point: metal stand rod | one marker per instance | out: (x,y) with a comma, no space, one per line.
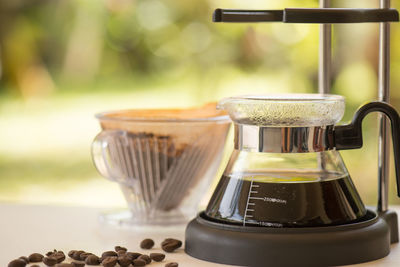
(383,94)
(325,54)
(324,70)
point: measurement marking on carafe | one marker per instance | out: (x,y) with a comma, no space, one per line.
(270,199)
(258,198)
(247,204)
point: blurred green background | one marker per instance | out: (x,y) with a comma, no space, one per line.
(63,61)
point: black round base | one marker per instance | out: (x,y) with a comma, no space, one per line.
(313,246)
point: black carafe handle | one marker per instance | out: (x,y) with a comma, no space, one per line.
(350,136)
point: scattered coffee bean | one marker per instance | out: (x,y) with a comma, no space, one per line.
(109,261)
(83,256)
(171,244)
(71,253)
(171,247)
(157,256)
(139,263)
(146,258)
(59,256)
(133,255)
(109,254)
(108,258)
(147,243)
(119,248)
(77,255)
(124,261)
(92,260)
(35,257)
(121,253)
(34,265)
(17,263)
(50,261)
(167,240)
(24,259)
(171,240)
(51,252)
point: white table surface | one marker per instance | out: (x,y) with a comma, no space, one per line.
(26,229)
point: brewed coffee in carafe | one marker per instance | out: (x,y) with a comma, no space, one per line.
(283,171)
(287,197)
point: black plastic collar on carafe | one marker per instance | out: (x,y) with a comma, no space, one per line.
(350,136)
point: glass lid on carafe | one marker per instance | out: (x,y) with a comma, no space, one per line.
(285,110)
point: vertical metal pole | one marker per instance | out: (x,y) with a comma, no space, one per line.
(324,68)
(383,94)
(325,54)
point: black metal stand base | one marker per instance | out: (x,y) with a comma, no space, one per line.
(314,246)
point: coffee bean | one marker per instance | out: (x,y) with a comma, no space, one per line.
(35,257)
(71,253)
(108,254)
(172,264)
(92,260)
(64,265)
(171,247)
(59,256)
(35,265)
(157,256)
(77,255)
(109,261)
(133,255)
(17,263)
(168,248)
(83,256)
(124,261)
(171,240)
(77,264)
(50,261)
(147,243)
(119,248)
(121,253)
(49,253)
(171,244)
(167,240)
(146,258)
(139,263)
(24,259)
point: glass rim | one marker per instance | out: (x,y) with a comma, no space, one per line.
(107,116)
(288,97)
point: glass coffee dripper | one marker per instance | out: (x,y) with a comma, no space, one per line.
(162,159)
(285,170)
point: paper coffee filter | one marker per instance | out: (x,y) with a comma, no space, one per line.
(182,125)
(204,112)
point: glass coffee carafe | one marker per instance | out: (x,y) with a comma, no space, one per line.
(285,170)
(286,191)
